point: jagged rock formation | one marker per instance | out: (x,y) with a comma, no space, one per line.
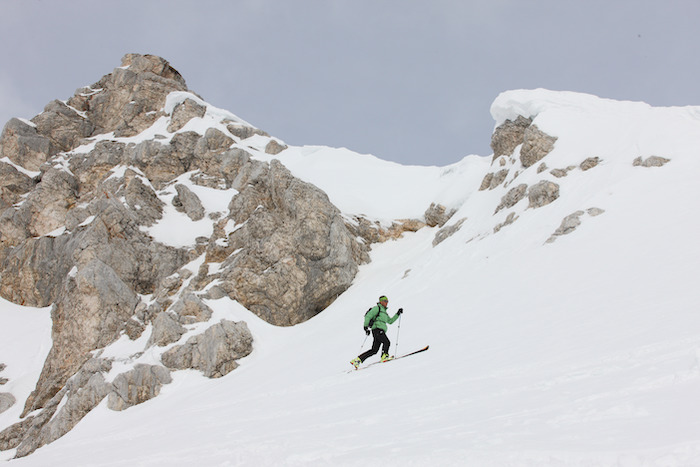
(82,184)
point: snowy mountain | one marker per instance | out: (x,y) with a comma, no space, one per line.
(559,302)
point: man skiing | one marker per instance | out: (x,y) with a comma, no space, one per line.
(377,320)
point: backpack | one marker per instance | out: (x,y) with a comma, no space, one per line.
(371,321)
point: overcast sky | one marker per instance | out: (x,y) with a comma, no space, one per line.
(406,80)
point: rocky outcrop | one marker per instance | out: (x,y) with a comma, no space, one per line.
(77,208)
(446,232)
(7,400)
(438,215)
(651,161)
(137,386)
(542,193)
(512,198)
(214,352)
(536,145)
(22,144)
(571,222)
(508,136)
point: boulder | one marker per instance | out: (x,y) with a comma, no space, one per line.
(188,202)
(191,309)
(184,112)
(542,194)
(213,352)
(166,330)
(274,147)
(438,215)
(295,254)
(589,163)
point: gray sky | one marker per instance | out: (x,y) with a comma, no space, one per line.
(409,81)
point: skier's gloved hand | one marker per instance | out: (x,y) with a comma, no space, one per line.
(400,311)
(367,331)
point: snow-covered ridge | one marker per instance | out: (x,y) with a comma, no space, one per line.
(579,352)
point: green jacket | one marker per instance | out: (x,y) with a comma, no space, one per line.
(381,318)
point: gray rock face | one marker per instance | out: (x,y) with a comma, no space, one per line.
(13,184)
(446,232)
(184,112)
(63,125)
(62,412)
(508,136)
(166,330)
(137,386)
(437,215)
(512,198)
(295,254)
(96,306)
(214,352)
(7,400)
(492,180)
(188,202)
(74,235)
(22,144)
(536,145)
(131,98)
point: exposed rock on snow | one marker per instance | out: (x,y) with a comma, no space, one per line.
(512,217)
(184,112)
(536,145)
(188,202)
(166,330)
(446,232)
(589,163)
(651,161)
(542,193)
(214,352)
(438,215)
(492,180)
(138,385)
(512,198)
(508,136)
(275,147)
(7,400)
(571,222)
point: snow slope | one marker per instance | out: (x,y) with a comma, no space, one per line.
(584,351)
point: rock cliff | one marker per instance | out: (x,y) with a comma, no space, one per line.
(87,189)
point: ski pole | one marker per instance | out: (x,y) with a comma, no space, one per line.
(396,352)
(363,343)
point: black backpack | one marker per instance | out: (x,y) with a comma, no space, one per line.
(371,321)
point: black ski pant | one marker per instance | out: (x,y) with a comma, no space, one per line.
(380,339)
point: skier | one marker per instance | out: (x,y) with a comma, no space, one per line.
(377,319)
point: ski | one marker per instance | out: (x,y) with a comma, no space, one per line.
(392,359)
